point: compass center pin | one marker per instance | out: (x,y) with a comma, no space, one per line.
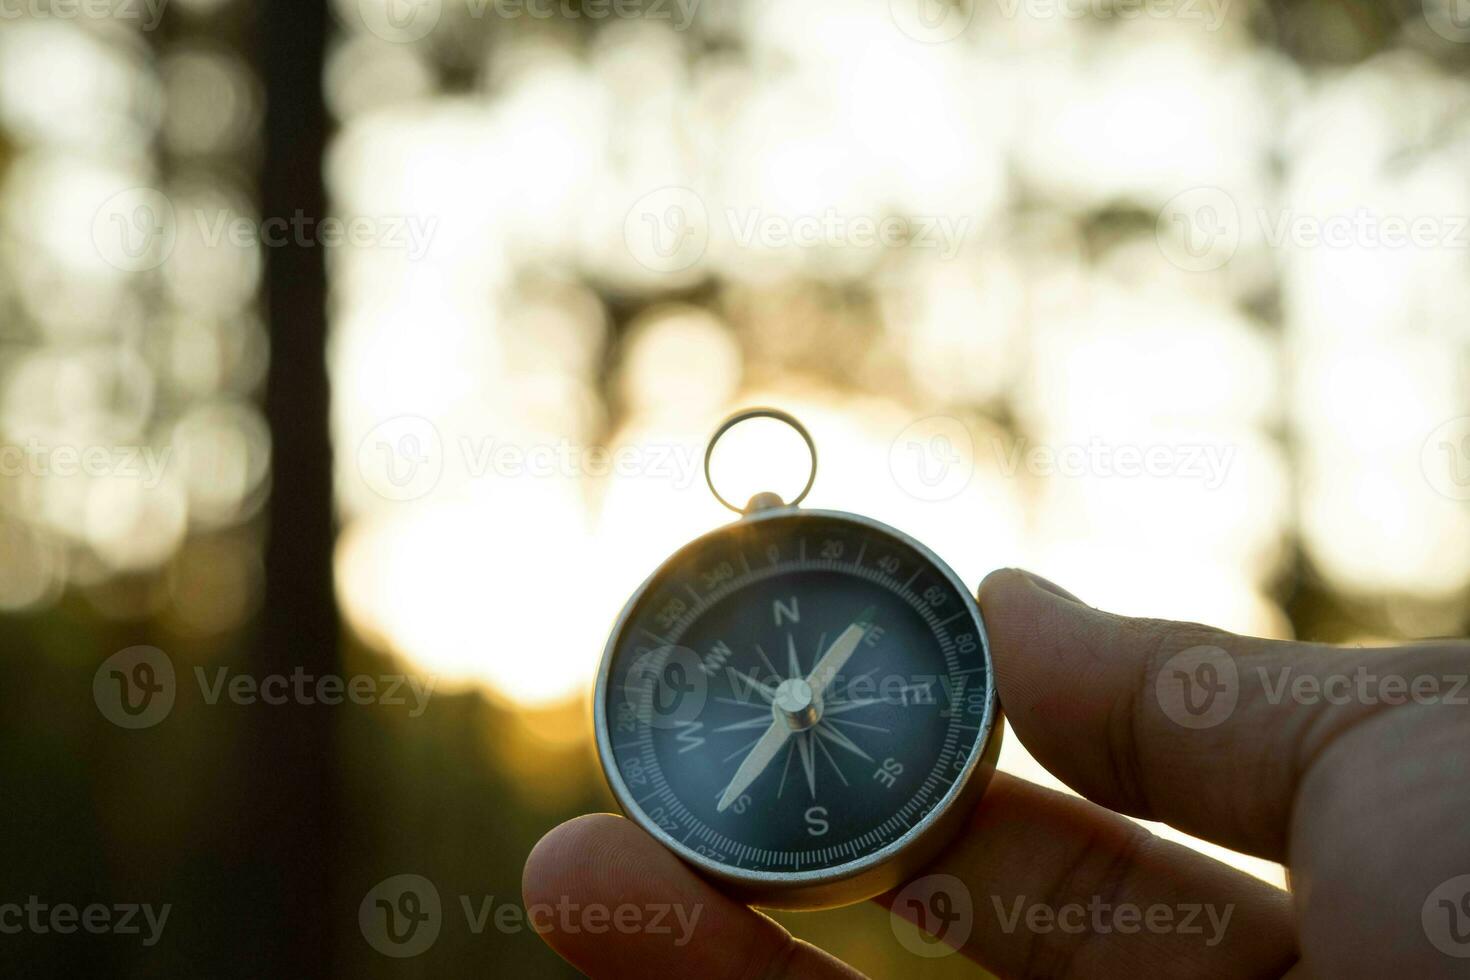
(797,703)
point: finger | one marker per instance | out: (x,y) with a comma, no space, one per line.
(614,903)
(1057,886)
(1174,722)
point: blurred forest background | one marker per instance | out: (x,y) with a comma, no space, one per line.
(989,251)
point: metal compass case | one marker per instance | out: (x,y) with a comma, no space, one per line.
(800,704)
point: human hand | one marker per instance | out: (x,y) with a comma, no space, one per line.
(1303,758)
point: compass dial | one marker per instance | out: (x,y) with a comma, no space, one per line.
(796,700)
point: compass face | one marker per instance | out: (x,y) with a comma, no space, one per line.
(795,698)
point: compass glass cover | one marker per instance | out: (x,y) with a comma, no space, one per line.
(794,693)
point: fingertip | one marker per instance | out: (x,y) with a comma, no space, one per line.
(1013,584)
(1025,616)
(557,864)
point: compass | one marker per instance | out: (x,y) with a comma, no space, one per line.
(800,704)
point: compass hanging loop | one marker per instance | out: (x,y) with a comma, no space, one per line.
(760,501)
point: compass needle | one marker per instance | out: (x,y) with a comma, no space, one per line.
(761,722)
(840,652)
(755,763)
